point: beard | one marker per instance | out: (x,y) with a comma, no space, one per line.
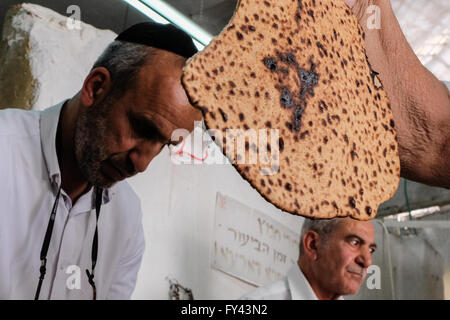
(90,146)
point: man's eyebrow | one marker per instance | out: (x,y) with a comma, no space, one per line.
(146,128)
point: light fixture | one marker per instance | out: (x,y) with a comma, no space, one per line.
(147,11)
(161,12)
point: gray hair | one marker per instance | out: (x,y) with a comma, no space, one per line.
(123,61)
(323,227)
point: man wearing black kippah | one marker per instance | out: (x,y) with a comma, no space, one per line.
(76,231)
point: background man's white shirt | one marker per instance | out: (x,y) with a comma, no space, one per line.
(30,177)
(293,286)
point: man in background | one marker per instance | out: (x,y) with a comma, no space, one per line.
(333,261)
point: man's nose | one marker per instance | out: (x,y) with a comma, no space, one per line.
(364,259)
(143,154)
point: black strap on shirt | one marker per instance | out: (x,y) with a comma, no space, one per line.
(45,245)
(98,204)
(48,236)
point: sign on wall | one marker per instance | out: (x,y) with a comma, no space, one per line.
(249,244)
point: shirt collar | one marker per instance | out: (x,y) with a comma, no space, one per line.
(49,120)
(299,285)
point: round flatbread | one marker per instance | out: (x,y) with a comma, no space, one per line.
(294,74)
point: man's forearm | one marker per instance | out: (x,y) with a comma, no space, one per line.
(420,102)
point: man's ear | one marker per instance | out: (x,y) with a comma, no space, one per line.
(96,86)
(310,244)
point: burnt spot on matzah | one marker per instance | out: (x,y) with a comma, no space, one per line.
(308,80)
(270,63)
(286,98)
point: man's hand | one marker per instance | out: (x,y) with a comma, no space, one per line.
(420,102)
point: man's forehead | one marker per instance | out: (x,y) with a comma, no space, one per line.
(174,109)
(168,122)
(165,61)
(363,229)
(165,95)
(160,97)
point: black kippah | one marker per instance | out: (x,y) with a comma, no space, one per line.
(161,36)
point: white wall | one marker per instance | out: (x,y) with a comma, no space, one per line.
(178,203)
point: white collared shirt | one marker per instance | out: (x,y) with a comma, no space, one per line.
(29,180)
(294,286)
